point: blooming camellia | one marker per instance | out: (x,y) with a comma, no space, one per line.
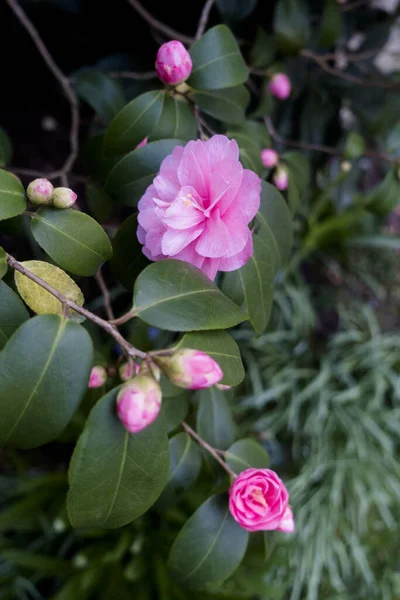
(138,403)
(258,501)
(173,63)
(199,206)
(191,369)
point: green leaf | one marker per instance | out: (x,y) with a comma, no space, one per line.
(251,137)
(99,202)
(263,50)
(41,301)
(133,123)
(49,565)
(291,25)
(128,259)
(214,419)
(245,454)
(101,92)
(227,105)
(12,196)
(385,196)
(217,61)
(176,121)
(175,409)
(235,10)
(44,369)
(222,348)
(176,296)
(115,476)
(131,176)
(335,230)
(94,159)
(209,547)
(299,168)
(275,218)
(72,239)
(3,262)
(331,24)
(257,277)
(354,146)
(12,313)
(375,241)
(185,465)
(5,148)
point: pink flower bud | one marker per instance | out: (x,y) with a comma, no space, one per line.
(138,403)
(223,387)
(281,178)
(142,143)
(269,158)
(98,377)
(40,191)
(280,86)
(63,197)
(191,369)
(173,63)
(128,371)
(258,501)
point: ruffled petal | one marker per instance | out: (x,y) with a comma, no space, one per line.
(248,197)
(214,241)
(194,169)
(220,147)
(183,212)
(167,183)
(175,241)
(239,259)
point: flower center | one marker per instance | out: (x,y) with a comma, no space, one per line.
(258,496)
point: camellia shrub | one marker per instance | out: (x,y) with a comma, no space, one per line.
(123,289)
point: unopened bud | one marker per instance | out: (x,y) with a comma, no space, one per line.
(191,369)
(138,403)
(280,86)
(40,191)
(345,166)
(63,197)
(269,158)
(223,387)
(142,143)
(98,377)
(281,178)
(128,371)
(173,63)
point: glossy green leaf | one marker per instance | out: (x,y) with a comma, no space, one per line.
(3,262)
(375,241)
(130,177)
(354,146)
(335,230)
(93,158)
(176,296)
(227,105)
(217,61)
(5,148)
(299,169)
(115,476)
(245,454)
(209,547)
(185,465)
(176,121)
(99,202)
(214,419)
(275,218)
(251,138)
(263,50)
(101,92)
(72,239)
(257,277)
(331,24)
(385,196)
(231,286)
(133,123)
(175,409)
(12,196)
(128,259)
(235,10)
(222,347)
(12,313)
(44,369)
(291,25)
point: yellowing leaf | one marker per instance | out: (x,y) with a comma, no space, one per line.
(41,301)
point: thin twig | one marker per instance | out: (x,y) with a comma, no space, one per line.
(205,13)
(65,84)
(168,31)
(209,449)
(198,119)
(25,172)
(123,319)
(353,5)
(133,75)
(110,329)
(106,295)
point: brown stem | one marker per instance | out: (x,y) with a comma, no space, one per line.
(106,295)
(123,319)
(205,13)
(209,449)
(108,327)
(168,31)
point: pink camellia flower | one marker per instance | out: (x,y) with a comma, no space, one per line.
(142,143)
(63,197)
(258,501)
(191,369)
(138,403)
(199,206)
(281,178)
(173,63)
(40,191)
(128,371)
(269,158)
(98,377)
(280,86)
